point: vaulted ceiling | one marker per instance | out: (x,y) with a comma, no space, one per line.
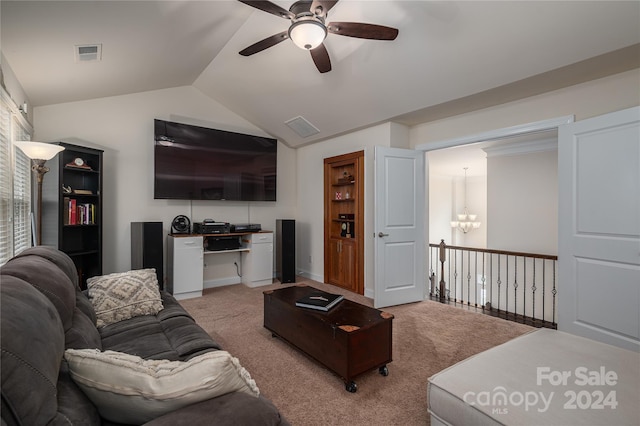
(449,57)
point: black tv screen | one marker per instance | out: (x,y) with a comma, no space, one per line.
(197,163)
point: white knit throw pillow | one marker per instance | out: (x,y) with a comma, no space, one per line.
(123,295)
(128,389)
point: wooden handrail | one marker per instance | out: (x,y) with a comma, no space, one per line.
(505,252)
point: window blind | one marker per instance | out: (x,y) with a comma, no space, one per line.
(15,185)
(6,185)
(21,193)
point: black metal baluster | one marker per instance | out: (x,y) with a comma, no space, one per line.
(524,290)
(554,292)
(515,288)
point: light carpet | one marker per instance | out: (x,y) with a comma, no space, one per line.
(427,337)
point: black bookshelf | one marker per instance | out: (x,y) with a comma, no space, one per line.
(69,187)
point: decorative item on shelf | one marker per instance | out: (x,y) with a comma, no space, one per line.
(338,195)
(350,233)
(346,216)
(343,229)
(466,222)
(39,153)
(67,189)
(83,191)
(78,163)
(346,178)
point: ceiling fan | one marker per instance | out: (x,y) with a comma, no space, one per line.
(308,29)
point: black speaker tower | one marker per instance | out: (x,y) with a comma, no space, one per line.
(147,248)
(286,250)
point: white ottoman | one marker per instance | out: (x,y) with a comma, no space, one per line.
(545,377)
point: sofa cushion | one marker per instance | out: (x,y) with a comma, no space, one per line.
(129,389)
(73,404)
(52,272)
(172,334)
(141,336)
(123,295)
(83,333)
(232,409)
(57,257)
(32,349)
(49,279)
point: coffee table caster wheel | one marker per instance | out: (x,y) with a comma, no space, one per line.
(384,370)
(351,387)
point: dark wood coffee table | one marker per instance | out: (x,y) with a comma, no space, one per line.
(349,340)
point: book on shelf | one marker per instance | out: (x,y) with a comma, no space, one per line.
(73,212)
(66,210)
(78,214)
(319,300)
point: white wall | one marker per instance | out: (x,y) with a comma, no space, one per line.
(123,127)
(310,224)
(476,193)
(523,202)
(584,100)
(441,209)
(446,200)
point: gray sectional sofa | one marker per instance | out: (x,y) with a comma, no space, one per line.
(44,313)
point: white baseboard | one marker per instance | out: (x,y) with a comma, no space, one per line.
(368,292)
(307,274)
(188,295)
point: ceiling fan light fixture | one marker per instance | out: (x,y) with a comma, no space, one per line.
(307,34)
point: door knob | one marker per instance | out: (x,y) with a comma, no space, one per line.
(381,234)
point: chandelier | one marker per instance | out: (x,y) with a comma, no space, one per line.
(466,222)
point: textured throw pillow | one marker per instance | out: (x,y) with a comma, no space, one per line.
(123,295)
(128,389)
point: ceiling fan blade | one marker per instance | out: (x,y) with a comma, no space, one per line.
(269,7)
(361,30)
(264,44)
(321,58)
(324,4)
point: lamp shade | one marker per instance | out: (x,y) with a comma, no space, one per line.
(38,150)
(307,34)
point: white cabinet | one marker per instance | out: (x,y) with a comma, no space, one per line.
(257,263)
(184,266)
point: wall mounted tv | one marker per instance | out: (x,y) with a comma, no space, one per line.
(197,163)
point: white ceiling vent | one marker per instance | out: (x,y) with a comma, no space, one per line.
(302,127)
(88,52)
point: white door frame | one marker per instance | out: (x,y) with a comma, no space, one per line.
(505,132)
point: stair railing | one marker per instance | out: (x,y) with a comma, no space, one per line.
(513,285)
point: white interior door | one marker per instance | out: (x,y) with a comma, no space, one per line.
(400,230)
(599,228)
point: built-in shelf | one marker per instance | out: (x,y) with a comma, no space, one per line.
(344,242)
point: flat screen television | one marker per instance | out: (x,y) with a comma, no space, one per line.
(197,163)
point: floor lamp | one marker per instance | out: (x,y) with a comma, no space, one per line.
(39,153)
